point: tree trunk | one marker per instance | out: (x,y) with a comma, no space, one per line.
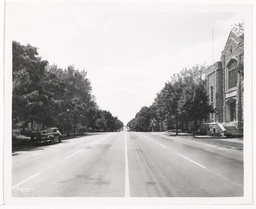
(177,126)
(195,128)
(74,129)
(32,124)
(68,125)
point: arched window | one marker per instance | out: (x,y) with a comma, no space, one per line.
(232,74)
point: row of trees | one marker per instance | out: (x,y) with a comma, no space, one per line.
(181,104)
(53,96)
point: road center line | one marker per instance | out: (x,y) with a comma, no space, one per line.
(192,161)
(73,154)
(127,183)
(26,180)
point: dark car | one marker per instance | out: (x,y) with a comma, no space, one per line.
(48,135)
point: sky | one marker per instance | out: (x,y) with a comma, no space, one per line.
(128,50)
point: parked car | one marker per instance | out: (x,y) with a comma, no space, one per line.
(48,135)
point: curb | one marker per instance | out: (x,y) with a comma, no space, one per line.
(211,140)
(31,144)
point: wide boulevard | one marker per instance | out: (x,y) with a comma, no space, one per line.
(127,164)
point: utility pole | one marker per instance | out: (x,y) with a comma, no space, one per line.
(68,121)
(212,44)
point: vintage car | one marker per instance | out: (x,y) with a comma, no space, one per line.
(48,135)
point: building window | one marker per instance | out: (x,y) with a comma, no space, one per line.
(211,94)
(231,49)
(233,111)
(232,75)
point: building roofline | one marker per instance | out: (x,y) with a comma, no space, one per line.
(229,37)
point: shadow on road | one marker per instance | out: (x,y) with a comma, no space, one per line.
(30,146)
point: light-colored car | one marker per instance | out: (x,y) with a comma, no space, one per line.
(17,135)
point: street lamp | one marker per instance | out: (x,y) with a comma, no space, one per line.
(68,121)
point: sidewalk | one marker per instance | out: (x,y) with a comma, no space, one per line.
(232,143)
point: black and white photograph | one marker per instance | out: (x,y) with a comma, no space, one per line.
(128,103)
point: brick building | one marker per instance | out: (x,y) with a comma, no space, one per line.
(225,87)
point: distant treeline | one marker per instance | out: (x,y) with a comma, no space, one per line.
(182,101)
(52,96)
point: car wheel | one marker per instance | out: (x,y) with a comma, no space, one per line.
(51,141)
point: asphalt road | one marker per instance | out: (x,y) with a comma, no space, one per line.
(127,164)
